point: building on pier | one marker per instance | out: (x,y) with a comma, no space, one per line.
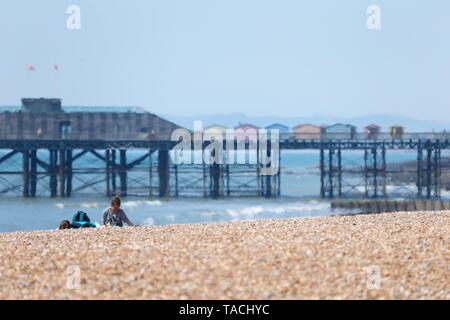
(372,131)
(308,132)
(246,126)
(217,127)
(246,131)
(282,129)
(397,131)
(47,119)
(340,131)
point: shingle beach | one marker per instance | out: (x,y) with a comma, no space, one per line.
(381,256)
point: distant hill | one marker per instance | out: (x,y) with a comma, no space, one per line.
(385,121)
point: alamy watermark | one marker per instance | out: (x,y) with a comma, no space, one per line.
(373,277)
(74,20)
(244,145)
(374,19)
(73,280)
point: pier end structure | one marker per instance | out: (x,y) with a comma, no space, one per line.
(52,139)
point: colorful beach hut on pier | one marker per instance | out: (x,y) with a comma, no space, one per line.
(372,132)
(216,128)
(340,131)
(308,132)
(282,129)
(246,131)
(397,131)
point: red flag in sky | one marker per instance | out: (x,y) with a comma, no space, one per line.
(30,67)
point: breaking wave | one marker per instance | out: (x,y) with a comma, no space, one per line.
(181,211)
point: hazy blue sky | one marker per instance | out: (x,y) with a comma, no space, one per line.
(281,57)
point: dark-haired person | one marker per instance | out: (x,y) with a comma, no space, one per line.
(115,216)
(65,224)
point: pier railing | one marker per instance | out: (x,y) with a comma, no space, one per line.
(379,137)
(140,141)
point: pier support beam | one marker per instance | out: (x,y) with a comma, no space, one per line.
(429,175)
(108,172)
(113,172)
(215,173)
(269,192)
(53,167)
(258,171)
(69,172)
(26,173)
(33,173)
(384,170)
(339,170)
(330,174)
(375,171)
(322,172)
(62,173)
(150,173)
(163,173)
(428,179)
(330,171)
(278,177)
(123,173)
(205,192)
(437,170)
(176,180)
(419,169)
(366,173)
(279,174)
(227,172)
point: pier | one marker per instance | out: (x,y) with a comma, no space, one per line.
(63,168)
(47,150)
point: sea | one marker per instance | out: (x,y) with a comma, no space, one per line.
(300,185)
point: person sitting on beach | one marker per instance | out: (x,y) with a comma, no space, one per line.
(114,215)
(79,220)
(65,224)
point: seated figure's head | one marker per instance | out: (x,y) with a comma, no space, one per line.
(65,224)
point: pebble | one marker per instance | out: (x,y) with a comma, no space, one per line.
(381,256)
